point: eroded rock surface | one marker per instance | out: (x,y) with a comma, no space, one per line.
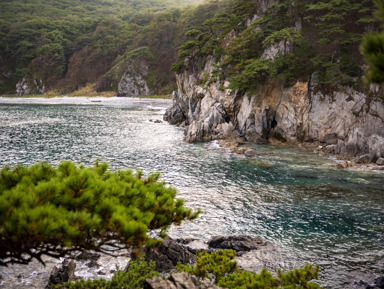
(346,122)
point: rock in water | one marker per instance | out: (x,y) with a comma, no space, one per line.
(62,275)
(168,254)
(238,243)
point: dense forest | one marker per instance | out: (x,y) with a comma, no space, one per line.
(63,45)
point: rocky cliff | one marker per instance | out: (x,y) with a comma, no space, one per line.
(345,122)
(127,78)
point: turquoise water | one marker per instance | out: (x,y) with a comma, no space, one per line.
(313,213)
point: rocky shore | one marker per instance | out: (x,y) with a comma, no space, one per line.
(253,254)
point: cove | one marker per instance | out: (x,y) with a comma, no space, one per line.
(313,213)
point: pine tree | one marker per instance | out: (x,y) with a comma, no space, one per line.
(51,211)
(372,47)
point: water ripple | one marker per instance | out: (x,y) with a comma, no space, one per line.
(313,213)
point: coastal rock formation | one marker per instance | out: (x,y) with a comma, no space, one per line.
(132,83)
(345,122)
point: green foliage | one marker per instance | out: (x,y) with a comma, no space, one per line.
(286,34)
(47,210)
(372,48)
(297,278)
(133,278)
(217,263)
(228,275)
(70,43)
(327,43)
(254,75)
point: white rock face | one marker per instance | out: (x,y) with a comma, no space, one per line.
(346,122)
(133,83)
(23,87)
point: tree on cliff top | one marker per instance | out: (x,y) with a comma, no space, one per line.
(53,211)
(372,47)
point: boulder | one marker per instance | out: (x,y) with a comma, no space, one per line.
(168,254)
(250,152)
(364,159)
(238,243)
(178,281)
(331,149)
(380,161)
(62,275)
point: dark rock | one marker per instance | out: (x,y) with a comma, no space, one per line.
(62,275)
(158,121)
(237,243)
(250,152)
(184,241)
(176,281)
(351,149)
(92,264)
(88,256)
(168,254)
(379,281)
(380,161)
(364,159)
(330,139)
(331,149)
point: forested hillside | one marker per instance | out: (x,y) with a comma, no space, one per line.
(291,41)
(63,45)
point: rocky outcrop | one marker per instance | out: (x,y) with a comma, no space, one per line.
(168,254)
(133,82)
(345,122)
(253,253)
(127,78)
(62,275)
(25,87)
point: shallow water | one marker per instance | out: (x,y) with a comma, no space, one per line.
(313,213)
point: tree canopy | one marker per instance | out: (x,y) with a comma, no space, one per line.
(46,210)
(372,47)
